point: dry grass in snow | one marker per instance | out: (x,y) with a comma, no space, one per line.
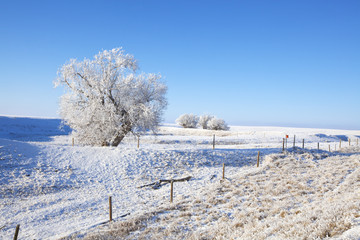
(56,190)
(297,195)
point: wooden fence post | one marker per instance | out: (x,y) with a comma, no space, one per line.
(349,142)
(172,191)
(303,143)
(258,159)
(110,209)
(357,141)
(294,142)
(73,141)
(138,142)
(223,171)
(214,141)
(318,146)
(329,148)
(340,144)
(16,232)
(283,144)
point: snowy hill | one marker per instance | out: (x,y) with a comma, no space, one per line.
(54,190)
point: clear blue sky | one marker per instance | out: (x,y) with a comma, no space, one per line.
(282,63)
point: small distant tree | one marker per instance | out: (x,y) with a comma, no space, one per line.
(188,120)
(217,124)
(106,98)
(204,120)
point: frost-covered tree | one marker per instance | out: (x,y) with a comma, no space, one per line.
(187,120)
(203,121)
(107,98)
(217,124)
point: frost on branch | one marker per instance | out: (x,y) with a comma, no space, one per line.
(217,124)
(187,120)
(106,98)
(204,120)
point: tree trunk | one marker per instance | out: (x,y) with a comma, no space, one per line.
(125,129)
(117,140)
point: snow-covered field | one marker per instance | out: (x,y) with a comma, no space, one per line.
(56,190)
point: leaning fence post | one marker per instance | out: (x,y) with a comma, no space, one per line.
(258,159)
(110,209)
(17,232)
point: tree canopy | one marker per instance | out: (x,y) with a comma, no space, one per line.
(107,98)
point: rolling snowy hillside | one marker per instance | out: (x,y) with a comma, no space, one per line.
(56,190)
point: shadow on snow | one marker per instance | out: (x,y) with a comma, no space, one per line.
(31,129)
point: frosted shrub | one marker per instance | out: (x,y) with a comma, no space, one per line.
(188,120)
(204,120)
(106,98)
(217,124)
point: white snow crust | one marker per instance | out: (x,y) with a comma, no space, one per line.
(55,190)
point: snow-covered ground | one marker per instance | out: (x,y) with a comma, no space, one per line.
(56,190)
